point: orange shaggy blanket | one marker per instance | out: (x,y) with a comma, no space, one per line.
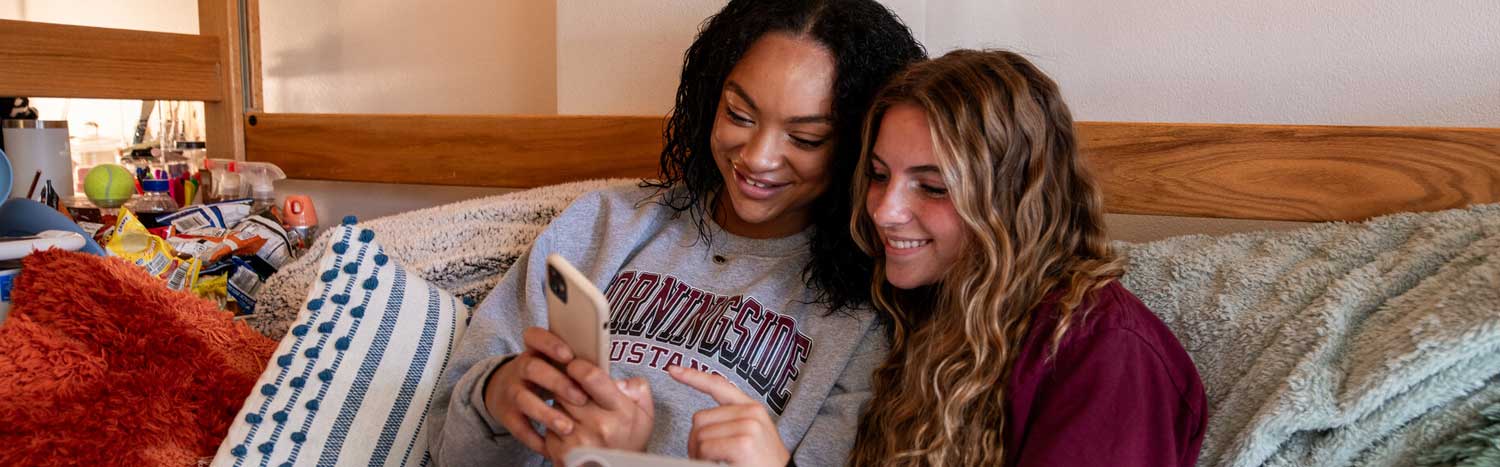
(101,364)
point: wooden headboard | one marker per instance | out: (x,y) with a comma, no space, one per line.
(1272,172)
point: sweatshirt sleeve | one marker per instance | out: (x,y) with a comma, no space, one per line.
(460,430)
(831,435)
(1111,401)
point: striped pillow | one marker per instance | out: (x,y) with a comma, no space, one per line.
(350,384)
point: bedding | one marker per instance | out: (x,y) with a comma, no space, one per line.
(1475,448)
(462,248)
(1337,344)
(102,364)
(351,382)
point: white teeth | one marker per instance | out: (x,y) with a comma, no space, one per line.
(908,244)
(757,185)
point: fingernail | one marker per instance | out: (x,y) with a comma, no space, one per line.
(579,398)
(564,426)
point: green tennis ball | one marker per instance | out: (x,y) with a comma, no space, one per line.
(109,185)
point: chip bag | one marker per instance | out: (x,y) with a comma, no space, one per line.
(130,240)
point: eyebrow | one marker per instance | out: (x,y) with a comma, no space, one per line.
(739,91)
(918,169)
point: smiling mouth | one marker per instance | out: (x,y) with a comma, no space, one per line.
(757,189)
(900,246)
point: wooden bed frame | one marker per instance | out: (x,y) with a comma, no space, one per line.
(1270,172)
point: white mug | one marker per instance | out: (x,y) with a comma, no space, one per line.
(38,147)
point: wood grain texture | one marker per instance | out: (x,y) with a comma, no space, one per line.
(54,60)
(224,120)
(499,151)
(1270,172)
(1290,172)
(257,93)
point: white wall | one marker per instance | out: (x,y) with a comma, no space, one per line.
(409,56)
(179,16)
(1398,62)
(624,57)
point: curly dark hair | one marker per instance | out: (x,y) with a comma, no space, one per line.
(869,45)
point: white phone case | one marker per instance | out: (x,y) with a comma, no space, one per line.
(577,312)
(596,457)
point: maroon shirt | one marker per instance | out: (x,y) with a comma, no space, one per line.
(1121,391)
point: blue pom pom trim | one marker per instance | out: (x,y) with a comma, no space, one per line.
(340,247)
(371,283)
(269,390)
(325,375)
(239,451)
(267,447)
(342,343)
(351,268)
(298,382)
(330,275)
(381,259)
(299,437)
(350,220)
(312,352)
(315,304)
(326,327)
(366,235)
(341,299)
(279,416)
(357,312)
(299,330)
(252,418)
(284,360)
(313,404)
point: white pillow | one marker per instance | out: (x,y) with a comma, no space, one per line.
(351,383)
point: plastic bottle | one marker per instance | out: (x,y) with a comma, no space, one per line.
(261,178)
(153,204)
(219,181)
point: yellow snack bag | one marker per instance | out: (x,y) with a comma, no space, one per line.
(214,288)
(130,240)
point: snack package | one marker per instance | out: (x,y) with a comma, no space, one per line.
(245,278)
(211,249)
(130,240)
(214,288)
(277,251)
(124,219)
(216,215)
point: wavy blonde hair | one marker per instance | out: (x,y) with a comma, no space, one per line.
(1004,142)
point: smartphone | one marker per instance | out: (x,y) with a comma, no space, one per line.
(599,457)
(577,312)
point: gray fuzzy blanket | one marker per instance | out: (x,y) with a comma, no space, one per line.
(1337,344)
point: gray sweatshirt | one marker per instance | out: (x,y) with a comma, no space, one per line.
(735,306)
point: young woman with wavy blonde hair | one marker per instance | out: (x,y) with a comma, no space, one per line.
(1012,341)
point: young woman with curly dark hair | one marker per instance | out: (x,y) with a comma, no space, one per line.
(739,324)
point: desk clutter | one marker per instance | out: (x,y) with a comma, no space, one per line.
(212,227)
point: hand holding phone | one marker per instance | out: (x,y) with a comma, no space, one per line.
(516,393)
(577,312)
(620,413)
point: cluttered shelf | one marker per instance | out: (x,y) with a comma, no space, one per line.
(210,226)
